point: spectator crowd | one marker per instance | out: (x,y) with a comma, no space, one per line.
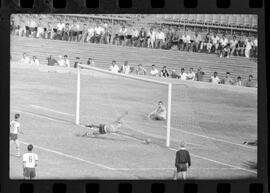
(156,37)
(164,72)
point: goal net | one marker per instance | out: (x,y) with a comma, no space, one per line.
(102,96)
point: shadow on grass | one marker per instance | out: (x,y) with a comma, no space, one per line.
(101,137)
(250,165)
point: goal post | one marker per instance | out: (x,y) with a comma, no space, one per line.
(128,76)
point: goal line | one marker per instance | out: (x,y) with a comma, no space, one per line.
(128,76)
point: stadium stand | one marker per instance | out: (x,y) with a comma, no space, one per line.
(172,26)
(104,54)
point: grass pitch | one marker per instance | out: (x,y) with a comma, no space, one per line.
(212,121)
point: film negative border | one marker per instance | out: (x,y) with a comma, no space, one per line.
(258,7)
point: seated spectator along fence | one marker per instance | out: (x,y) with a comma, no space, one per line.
(122,31)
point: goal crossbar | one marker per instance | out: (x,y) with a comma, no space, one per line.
(83,66)
(123,75)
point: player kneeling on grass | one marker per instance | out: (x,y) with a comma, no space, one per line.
(100,129)
(29,163)
(160,113)
(182,162)
(15,129)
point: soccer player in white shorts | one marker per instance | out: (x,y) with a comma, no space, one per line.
(15,129)
(100,129)
(29,163)
(160,113)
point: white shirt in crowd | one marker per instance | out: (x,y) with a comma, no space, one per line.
(105,25)
(25,60)
(123,31)
(152,35)
(223,41)
(32,24)
(14,127)
(248,45)
(160,36)
(183,76)
(91,32)
(215,39)
(215,80)
(40,30)
(186,38)
(154,72)
(99,30)
(60,26)
(114,68)
(233,43)
(191,76)
(126,69)
(30,160)
(255,42)
(77,27)
(135,33)
(34,62)
(66,63)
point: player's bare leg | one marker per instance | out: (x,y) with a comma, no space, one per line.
(120,117)
(17,147)
(152,115)
(184,175)
(175,174)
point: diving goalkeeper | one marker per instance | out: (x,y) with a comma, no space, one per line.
(100,129)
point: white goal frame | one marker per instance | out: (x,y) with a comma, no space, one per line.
(169,103)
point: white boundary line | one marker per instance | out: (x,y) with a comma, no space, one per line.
(130,169)
(212,138)
(40,116)
(175,129)
(48,109)
(201,157)
(115,169)
(70,156)
(218,162)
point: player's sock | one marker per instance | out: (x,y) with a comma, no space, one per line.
(89,125)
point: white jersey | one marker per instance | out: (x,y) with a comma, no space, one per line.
(30,160)
(14,127)
(114,68)
(183,76)
(215,80)
(161,111)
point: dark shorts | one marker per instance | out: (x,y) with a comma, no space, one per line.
(29,172)
(102,129)
(13,136)
(122,37)
(181,167)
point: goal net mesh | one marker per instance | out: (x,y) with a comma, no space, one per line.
(104,97)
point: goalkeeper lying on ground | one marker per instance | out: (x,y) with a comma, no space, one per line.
(100,129)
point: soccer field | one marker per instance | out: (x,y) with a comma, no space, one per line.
(213,121)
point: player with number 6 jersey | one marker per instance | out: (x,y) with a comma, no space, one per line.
(29,163)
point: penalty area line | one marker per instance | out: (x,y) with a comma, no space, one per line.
(201,157)
(218,162)
(69,156)
(212,138)
(191,168)
(172,128)
(52,110)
